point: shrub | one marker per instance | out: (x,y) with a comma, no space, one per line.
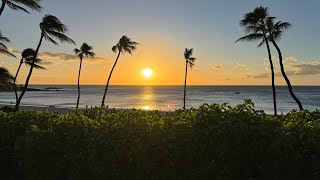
(211,142)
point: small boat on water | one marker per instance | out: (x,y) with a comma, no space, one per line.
(237,92)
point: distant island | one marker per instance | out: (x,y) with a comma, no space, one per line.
(8,87)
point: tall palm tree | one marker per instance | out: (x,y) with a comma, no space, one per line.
(275,31)
(125,45)
(17,5)
(189,61)
(27,58)
(85,50)
(3,48)
(5,76)
(255,24)
(51,27)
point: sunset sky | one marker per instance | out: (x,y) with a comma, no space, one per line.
(164,28)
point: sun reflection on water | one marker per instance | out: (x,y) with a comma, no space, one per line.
(148,98)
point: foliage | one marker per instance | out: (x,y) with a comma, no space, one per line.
(211,142)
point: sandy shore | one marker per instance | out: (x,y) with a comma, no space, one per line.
(59,110)
(41,108)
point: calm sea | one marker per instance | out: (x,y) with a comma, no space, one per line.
(168,97)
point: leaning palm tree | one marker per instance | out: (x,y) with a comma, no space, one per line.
(255,24)
(85,50)
(51,27)
(189,61)
(27,58)
(17,5)
(5,76)
(3,48)
(275,31)
(125,45)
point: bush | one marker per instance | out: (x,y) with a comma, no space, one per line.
(211,142)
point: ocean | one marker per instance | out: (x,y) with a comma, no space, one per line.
(167,98)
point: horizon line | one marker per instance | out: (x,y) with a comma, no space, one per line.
(168,85)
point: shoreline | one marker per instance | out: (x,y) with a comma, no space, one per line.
(64,110)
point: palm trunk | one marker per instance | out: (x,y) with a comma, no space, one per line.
(286,77)
(185,86)
(4,2)
(15,79)
(29,75)
(107,86)
(79,83)
(272,77)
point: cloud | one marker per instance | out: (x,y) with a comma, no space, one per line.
(257,76)
(302,69)
(241,67)
(290,59)
(217,67)
(52,57)
(310,68)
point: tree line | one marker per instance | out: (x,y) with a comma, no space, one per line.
(258,25)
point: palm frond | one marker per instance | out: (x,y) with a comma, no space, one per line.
(28,61)
(35,66)
(4,39)
(6,52)
(48,38)
(115,48)
(16,7)
(251,37)
(32,4)
(76,51)
(61,37)
(91,54)
(5,76)
(27,53)
(52,23)
(191,65)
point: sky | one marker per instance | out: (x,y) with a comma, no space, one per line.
(164,29)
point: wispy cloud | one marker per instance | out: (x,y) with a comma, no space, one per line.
(217,67)
(54,57)
(301,69)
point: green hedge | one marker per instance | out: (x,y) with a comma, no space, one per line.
(211,142)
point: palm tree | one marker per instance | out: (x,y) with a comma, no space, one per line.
(51,27)
(3,48)
(17,5)
(85,50)
(26,58)
(125,45)
(5,76)
(255,23)
(275,31)
(189,61)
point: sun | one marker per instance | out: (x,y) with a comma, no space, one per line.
(147,72)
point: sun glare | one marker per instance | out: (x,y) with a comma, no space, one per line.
(147,72)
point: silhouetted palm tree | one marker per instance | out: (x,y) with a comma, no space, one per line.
(5,76)
(27,58)
(255,23)
(189,61)
(50,27)
(125,45)
(85,50)
(3,48)
(17,5)
(275,31)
